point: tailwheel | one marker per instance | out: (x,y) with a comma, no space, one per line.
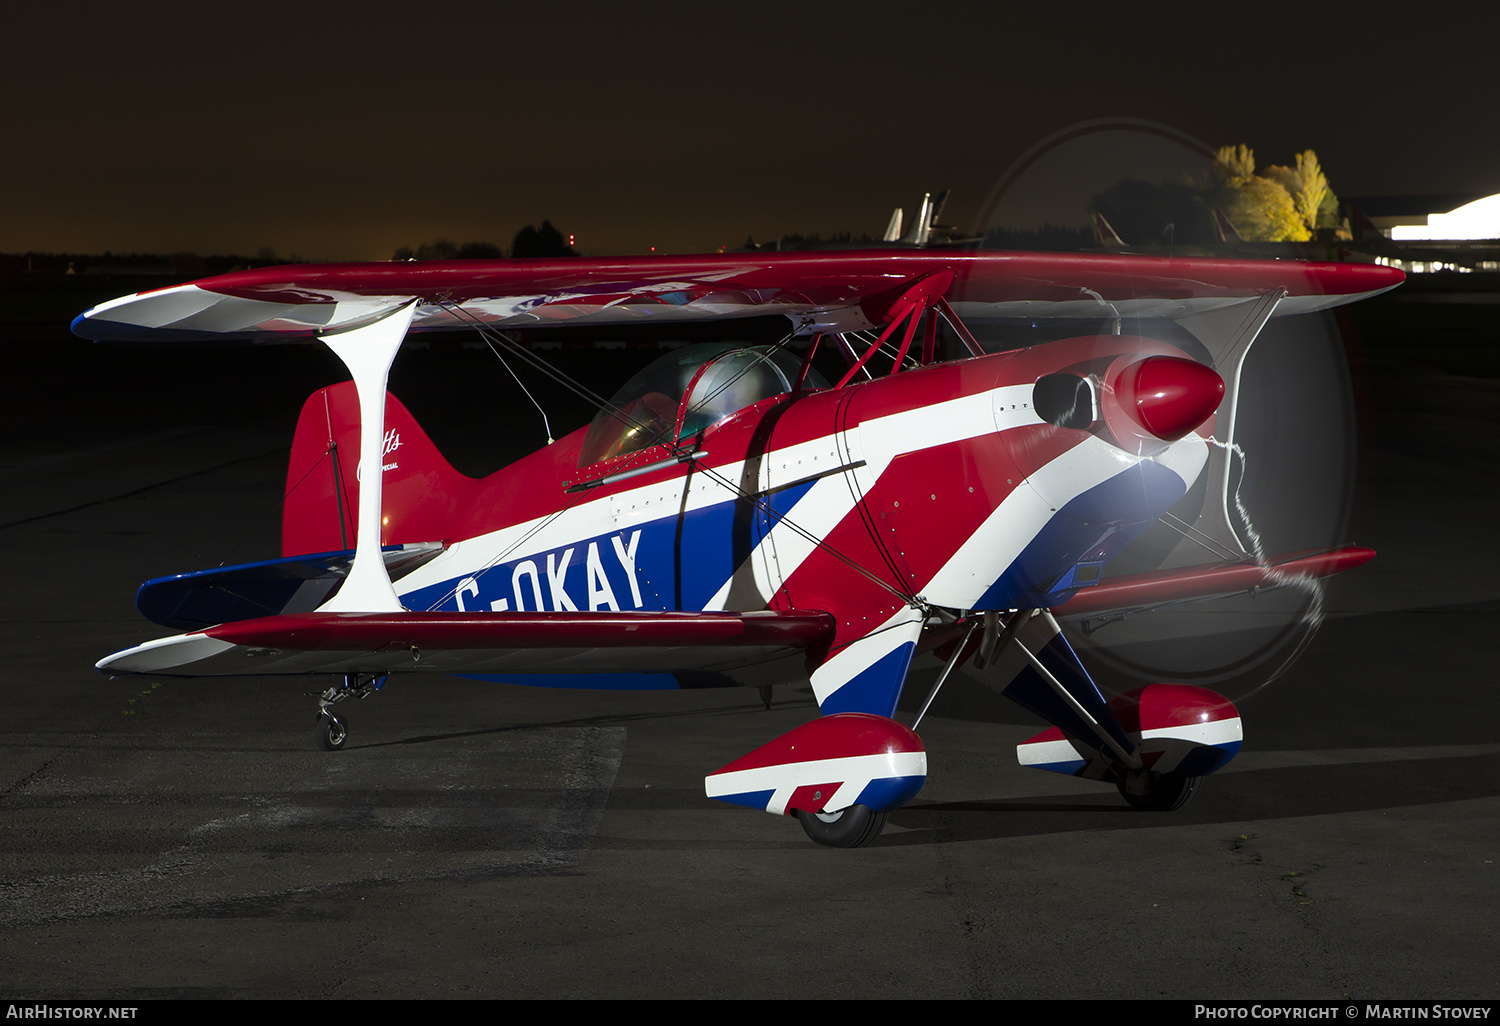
(1158,792)
(853,827)
(332,732)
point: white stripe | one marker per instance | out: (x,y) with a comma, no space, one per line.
(1046,753)
(592,518)
(854,772)
(1005,533)
(969,416)
(903,627)
(1214,732)
(878,442)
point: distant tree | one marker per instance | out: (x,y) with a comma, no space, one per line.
(1262,210)
(1285,177)
(1145,214)
(443,249)
(188,264)
(1322,204)
(1048,238)
(533,243)
(1235,163)
(480,251)
(1278,204)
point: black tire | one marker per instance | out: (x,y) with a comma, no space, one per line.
(332,733)
(854,827)
(1167,792)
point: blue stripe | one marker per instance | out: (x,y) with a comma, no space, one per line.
(1205,759)
(876,688)
(681,562)
(1092,528)
(1029,690)
(749,799)
(227,594)
(890,793)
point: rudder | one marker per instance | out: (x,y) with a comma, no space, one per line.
(420,492)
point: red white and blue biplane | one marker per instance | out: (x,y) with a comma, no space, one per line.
(732,516)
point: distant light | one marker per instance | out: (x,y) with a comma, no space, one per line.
(571,237)
(1477,220)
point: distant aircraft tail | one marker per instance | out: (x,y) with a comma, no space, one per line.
(421,490)
(1105,236)
(921,225)
(1225,228)
(893,227)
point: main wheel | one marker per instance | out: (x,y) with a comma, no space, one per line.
(332,733)
(853,827)
(1166,792)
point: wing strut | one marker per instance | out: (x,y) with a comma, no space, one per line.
(1228,334)
(367,352)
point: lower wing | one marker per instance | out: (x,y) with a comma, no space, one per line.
(1139,592)
(480,642)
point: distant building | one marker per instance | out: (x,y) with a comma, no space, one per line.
(1429,233)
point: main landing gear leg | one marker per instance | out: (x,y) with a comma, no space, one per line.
(332,730)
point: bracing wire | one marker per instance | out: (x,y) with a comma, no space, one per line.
(490,334)
(546,424)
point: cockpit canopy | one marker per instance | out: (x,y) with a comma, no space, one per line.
(644,411)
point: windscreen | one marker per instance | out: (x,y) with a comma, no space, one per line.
(644,411)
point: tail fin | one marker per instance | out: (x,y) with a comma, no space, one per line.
(1225,228)
(1104,234)
(421,490)
(893,228)
(921,224)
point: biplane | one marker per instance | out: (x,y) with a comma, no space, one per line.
(735,516)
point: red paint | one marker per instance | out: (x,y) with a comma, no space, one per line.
(421,492)
(979,276)
(479,631)
(840,736)
(1168,396)
(627,288)
(1159,706)
(1142,591)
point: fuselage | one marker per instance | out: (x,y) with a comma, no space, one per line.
(939,486)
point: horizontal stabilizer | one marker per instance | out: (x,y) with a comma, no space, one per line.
(479,642)
(1157,588)
(296,584)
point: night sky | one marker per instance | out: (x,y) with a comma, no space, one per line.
(686,126)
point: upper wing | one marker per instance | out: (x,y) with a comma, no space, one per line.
(1163,587)
(824,291)
(515,642)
